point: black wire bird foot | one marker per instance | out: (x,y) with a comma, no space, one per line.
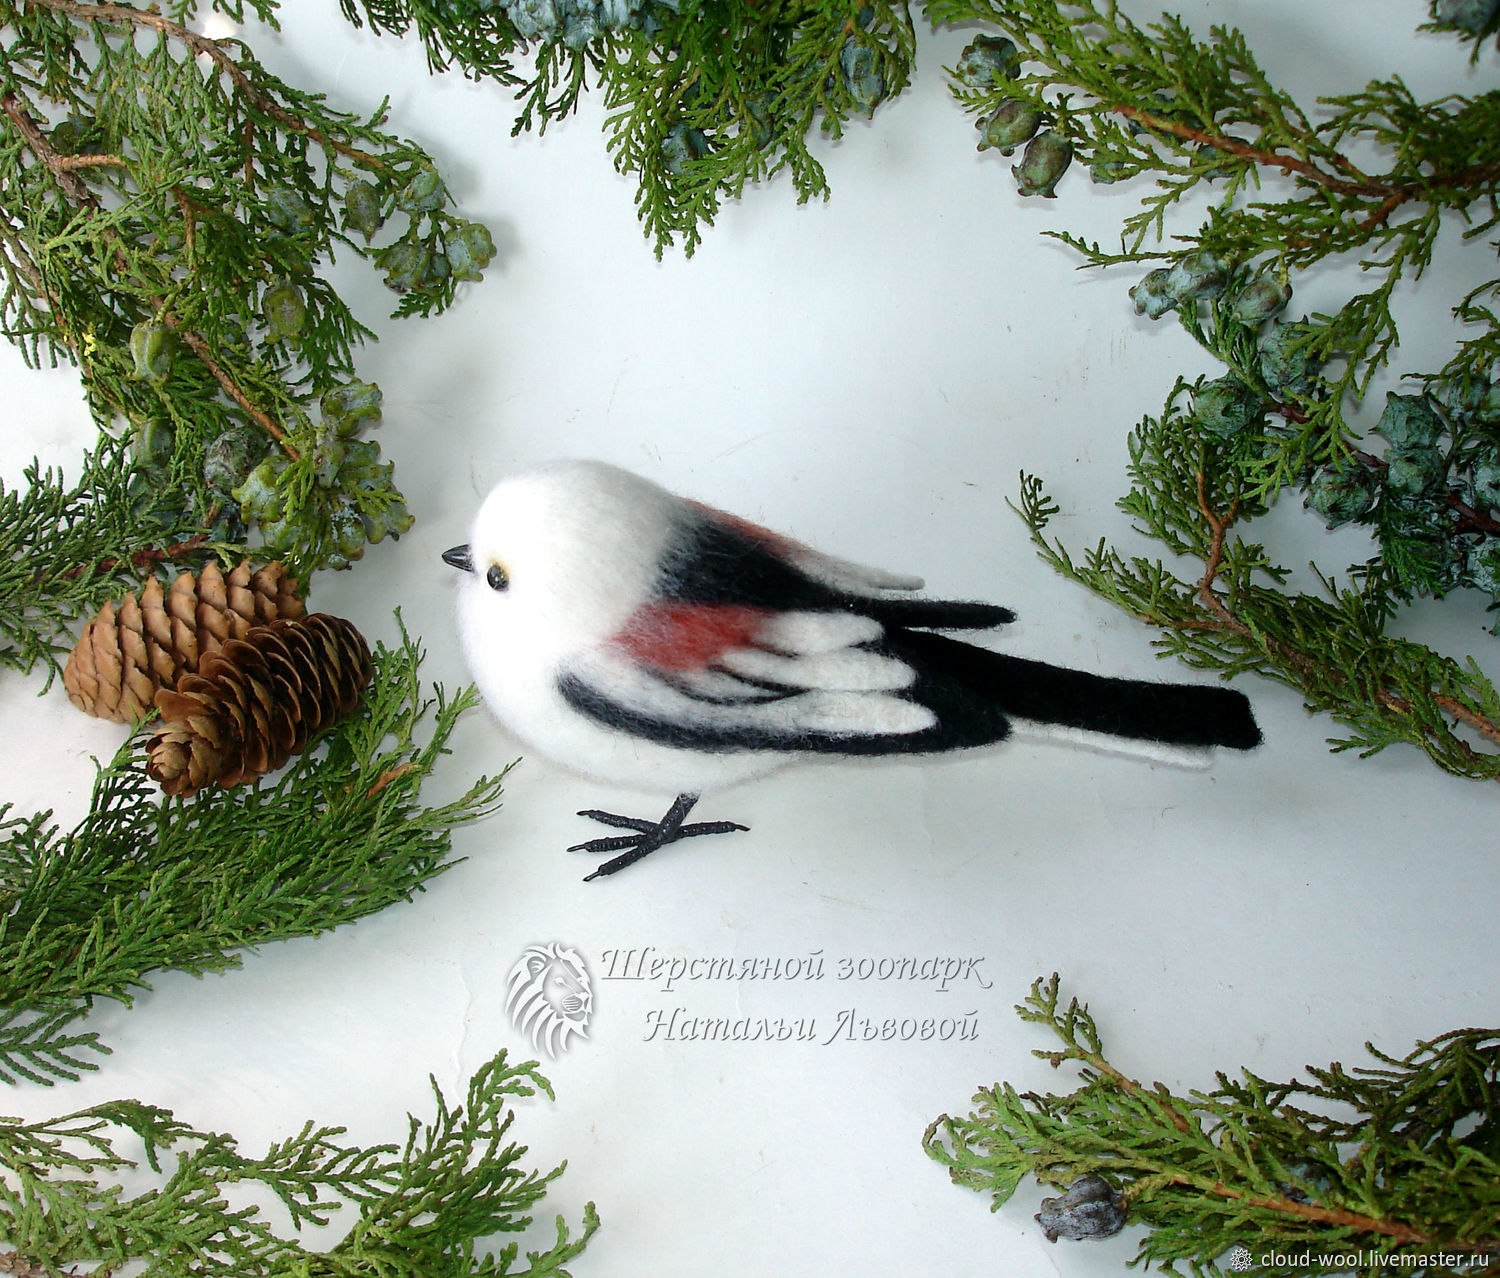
(648,836)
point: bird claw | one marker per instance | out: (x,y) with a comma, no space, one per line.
(647,836)
(619,822)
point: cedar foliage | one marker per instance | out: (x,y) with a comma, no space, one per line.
(142,886)
(1399,1160)
(425,1206)
(167,210)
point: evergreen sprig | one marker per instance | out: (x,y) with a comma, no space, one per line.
(142,885)
(167,207)
(65,549)
(425,1207)
(1387,1170)
(704,97)
(1190,493)
(1201,116)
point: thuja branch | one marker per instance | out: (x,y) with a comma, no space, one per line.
(1201,116)
(703,98)
(73,186)
(167,209)
(79,193)
(218,52)
(65,548)
(141,886)
(1189,492)
(1294,659)
(1383,1158)
(1349,180)
(427,1205)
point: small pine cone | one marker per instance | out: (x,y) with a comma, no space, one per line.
(255,702)
(127,652)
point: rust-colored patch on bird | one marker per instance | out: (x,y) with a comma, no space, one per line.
(670,636)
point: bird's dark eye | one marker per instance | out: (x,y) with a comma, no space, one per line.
(496,577)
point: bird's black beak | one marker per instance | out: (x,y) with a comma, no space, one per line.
(459,557)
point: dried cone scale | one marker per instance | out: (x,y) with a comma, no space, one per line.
(127,652)
(255,702)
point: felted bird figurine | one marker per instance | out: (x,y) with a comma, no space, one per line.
(654,642)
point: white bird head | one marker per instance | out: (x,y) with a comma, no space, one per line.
(564,553)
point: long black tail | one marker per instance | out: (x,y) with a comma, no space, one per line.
(1136,709)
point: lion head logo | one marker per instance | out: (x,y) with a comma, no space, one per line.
(550,997)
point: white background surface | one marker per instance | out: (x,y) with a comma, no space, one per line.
(868,375)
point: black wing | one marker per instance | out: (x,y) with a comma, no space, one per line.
(716,563)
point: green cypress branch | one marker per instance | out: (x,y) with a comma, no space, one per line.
(1190,493)
(704,96)
(425,1207)
(167,208)
(65,550)
(1200,115)
(1402,1162)
(143,885)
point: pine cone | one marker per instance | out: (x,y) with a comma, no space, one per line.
(125,654)
(255,702)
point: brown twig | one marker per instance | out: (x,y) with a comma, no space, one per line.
(1125,1083)
(1270,159)
(19,263)
(1218,527)
(1224,619)
(189,222)
(73,186)
(77,191)
(1336,1216)
(199,347)
(92,160)
(1164,1102)
(1391,195)
(1383,211)
(389,775)
(149,554)
(216,52)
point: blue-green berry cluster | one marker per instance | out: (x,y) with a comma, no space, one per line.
(1091,1208)
(862,74)
(1194,277)
(290,211)
(1475,17)
(79,135)
(1011,124)
(861,67)
(325,506)
(435,250)
(1288,363)
(1044,161)
(152,444)
(1342,493)
(1433,497)
(682,145)
(1227,407)
(284,310)
(1263,298)
(229,459)
(989,64)
(577,23)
